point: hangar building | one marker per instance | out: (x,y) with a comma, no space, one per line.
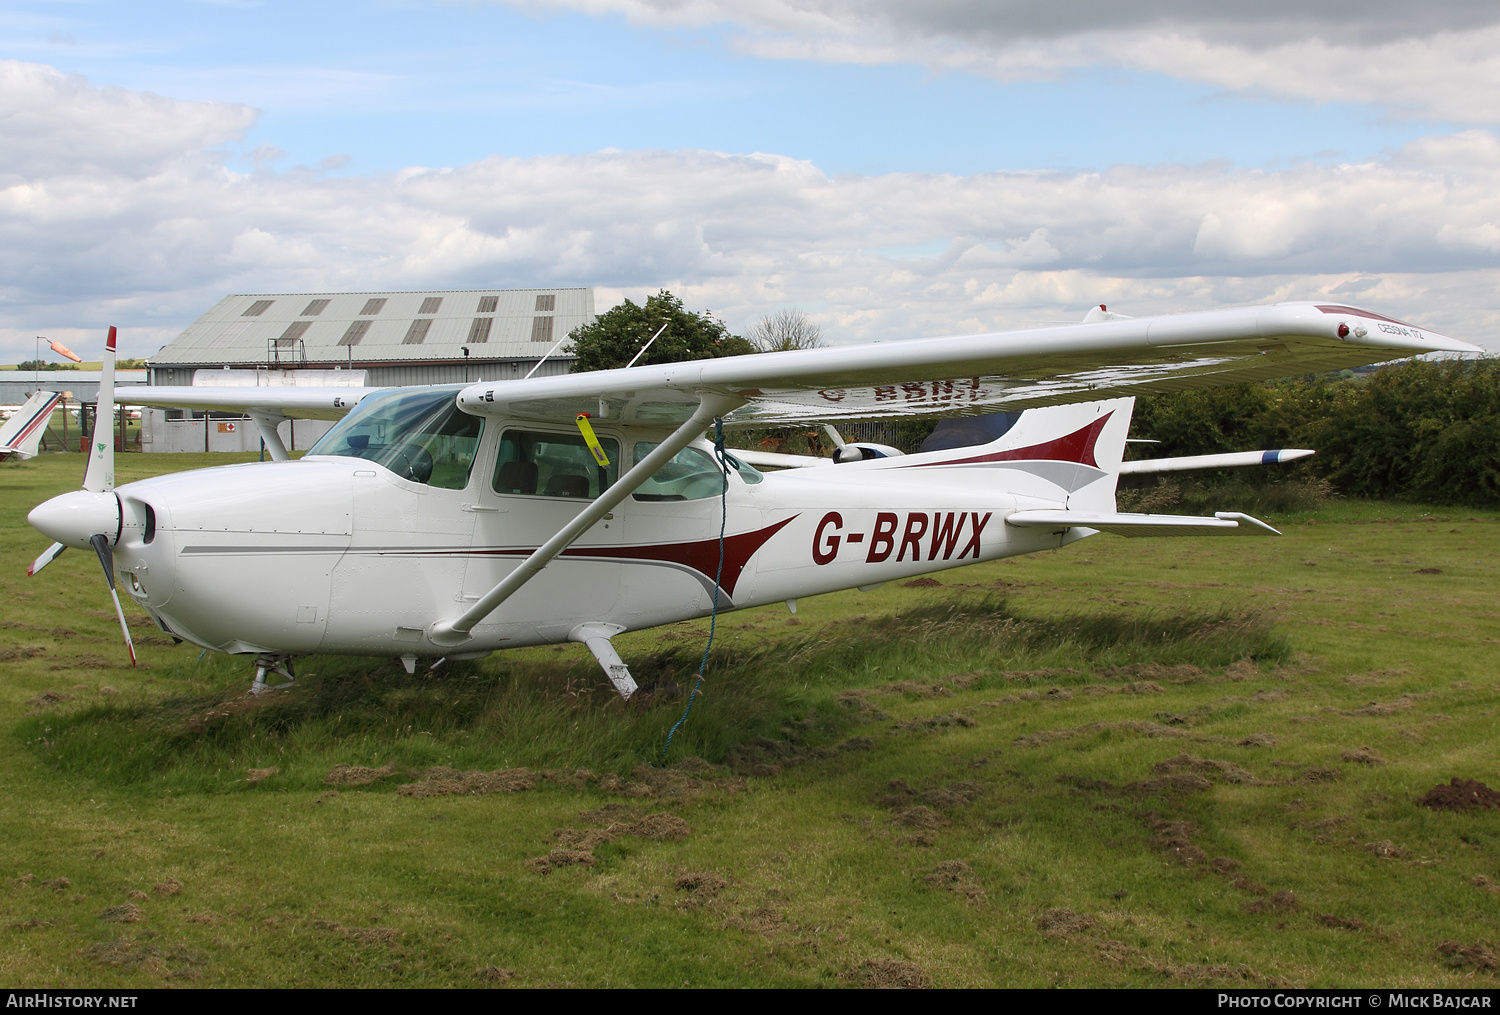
(354,339)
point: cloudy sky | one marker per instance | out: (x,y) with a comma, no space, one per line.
(894,168)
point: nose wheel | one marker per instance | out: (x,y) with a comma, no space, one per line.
(267,663)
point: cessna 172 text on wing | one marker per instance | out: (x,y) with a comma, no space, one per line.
(452,521)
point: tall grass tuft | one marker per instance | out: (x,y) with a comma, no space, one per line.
(554,713)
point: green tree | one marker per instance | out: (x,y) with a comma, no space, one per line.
(618,334)
(38,364)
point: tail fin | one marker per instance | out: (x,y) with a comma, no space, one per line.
(1067,454)
(21,436)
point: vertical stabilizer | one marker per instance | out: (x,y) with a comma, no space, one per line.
(21,436)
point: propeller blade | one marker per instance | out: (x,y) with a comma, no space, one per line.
(48,556)
(100,542)
(100,476)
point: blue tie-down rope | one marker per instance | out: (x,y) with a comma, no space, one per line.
(713,615)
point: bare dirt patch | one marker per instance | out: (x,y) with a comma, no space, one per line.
(256,775)
(935,722)
(700,884)
(1063,922)
(1208,767)
(1461,795)
(919,817)
(1473,956)
(1175,839)
(388,936)
(659,827)
(127,912)
(493,974)
(171,886)
(889,974)
(444,781)
(577,778)
(1387,850)
(1341,922)
(357,775)
(171,962)
(1364,756)
(1140,726)
(561,857)
(48,698)
(956,876)
(1182,673)
(922,583)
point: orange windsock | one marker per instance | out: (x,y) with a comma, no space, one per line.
(63,350)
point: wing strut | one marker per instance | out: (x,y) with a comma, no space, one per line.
(451,633)
(267,423)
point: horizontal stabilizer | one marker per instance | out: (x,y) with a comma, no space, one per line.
(1234,458)
(1223,523)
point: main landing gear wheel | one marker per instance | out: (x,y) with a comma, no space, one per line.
(267,663)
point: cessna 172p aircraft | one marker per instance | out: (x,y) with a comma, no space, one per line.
(451,521)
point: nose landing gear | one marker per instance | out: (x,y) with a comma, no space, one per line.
(268,663)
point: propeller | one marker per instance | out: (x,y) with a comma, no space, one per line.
(90,517)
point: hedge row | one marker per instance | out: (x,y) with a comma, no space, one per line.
(1422,431)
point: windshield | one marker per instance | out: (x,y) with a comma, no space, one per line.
(422,436)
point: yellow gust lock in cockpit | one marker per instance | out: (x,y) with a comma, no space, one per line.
(587,429)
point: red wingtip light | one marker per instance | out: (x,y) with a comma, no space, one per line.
(1343,330)
(1104,308)
(109,343)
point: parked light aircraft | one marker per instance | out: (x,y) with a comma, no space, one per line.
(452,521)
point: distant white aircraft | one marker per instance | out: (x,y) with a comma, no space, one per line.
(452,521)
(21,435)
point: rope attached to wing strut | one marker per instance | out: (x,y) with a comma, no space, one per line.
(720,456)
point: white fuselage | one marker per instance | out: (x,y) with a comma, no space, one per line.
(341,555)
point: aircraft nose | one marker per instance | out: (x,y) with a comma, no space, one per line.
(73,517)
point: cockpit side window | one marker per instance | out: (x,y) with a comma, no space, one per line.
(690,475)
(421,436)
(553,465)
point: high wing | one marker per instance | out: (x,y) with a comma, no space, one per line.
(275,401)
(979,374)
(964,375)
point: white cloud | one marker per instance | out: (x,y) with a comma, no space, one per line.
(50,121)
(1433,60)
(149,236)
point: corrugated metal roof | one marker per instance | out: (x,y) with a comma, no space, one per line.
(241,328)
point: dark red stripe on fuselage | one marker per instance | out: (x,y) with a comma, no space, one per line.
(701,555)
(1077,446)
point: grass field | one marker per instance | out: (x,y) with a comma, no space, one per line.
(1131,763)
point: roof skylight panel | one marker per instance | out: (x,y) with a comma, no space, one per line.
(479,331)
(547,302)
(316,307)
(355,332)
(257,308)
(417,333)
(430,305)
(488,304)
(372,307)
